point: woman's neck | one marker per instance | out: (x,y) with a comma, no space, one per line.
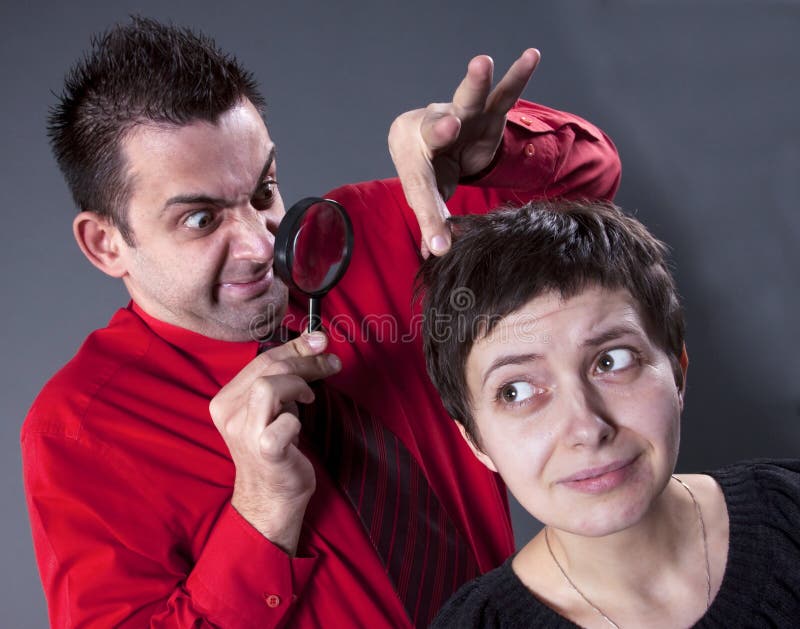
(665,537)
(635,573)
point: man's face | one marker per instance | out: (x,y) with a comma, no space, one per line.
(204,211)
(577,409)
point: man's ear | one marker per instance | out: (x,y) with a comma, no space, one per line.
(684,364)
(479,454)
(101,242)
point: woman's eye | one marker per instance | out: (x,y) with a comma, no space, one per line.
(516,392)
(199,220)
(615,360)
(265,194)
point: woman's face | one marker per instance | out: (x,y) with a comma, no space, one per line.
(577,409)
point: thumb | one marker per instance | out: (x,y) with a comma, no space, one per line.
(439,130)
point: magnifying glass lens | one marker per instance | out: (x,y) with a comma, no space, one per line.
(319,248)
(312,249)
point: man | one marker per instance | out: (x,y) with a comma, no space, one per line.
(168,480)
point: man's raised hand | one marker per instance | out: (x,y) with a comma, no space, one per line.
(433,148)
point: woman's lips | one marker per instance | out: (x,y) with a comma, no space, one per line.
(600,479)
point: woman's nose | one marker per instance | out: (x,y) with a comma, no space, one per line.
(587,419)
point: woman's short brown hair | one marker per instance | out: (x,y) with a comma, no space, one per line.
(500,261)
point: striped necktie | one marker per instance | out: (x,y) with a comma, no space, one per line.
(423,552)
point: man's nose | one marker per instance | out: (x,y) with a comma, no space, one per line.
(587,419)
(250,237)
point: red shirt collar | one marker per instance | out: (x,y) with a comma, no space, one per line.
(222,359)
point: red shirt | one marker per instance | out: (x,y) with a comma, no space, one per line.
(129,483)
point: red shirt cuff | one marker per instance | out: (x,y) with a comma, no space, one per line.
(242,579)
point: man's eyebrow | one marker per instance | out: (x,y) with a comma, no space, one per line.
(509,359)
(265,170)
(612,334)
(188,199)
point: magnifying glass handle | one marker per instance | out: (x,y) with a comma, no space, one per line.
(314,316)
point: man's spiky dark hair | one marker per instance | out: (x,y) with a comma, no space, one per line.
(138,73)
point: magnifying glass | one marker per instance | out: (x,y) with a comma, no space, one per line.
(312,250)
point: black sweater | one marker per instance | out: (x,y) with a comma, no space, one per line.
(760,588)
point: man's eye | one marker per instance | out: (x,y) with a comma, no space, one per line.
(615,360)
(516,392)
(199,220)
(265,194)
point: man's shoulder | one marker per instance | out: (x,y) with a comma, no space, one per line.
(366,200)
(65,398)
(380,195)
(367,189)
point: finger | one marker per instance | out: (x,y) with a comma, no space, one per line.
(276,438)
(268,398)
(305,345)
(439,128)
(510,87)
(413,140)
(471,93)
(309,368)
(292,408)
(423,197)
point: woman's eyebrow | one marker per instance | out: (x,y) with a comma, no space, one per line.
(509,359)
(611,334)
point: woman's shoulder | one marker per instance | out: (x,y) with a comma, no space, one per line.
(764,493)
(776,479)
(761,585)
(473,605)
(497,600)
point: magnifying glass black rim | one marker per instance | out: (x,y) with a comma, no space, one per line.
(284,241)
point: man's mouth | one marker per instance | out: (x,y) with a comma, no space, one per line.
(248,286)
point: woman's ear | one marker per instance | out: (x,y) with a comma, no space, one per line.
(684,365)
(479,454)
(101,242)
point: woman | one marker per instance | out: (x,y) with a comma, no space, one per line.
(564,366)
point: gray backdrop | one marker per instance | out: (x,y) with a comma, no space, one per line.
(701,99)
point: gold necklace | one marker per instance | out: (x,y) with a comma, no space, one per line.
(705,551)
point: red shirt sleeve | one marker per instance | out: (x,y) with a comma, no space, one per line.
(375,329)
(107,557)
(548,153)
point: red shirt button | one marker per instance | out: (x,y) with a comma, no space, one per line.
(530,150)
(525,120)
(273,600)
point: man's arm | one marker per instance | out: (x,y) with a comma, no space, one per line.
(111,554)
(436,148)
(375,329)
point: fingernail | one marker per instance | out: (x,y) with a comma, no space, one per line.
(316,340)
(334,362)
(438,244)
